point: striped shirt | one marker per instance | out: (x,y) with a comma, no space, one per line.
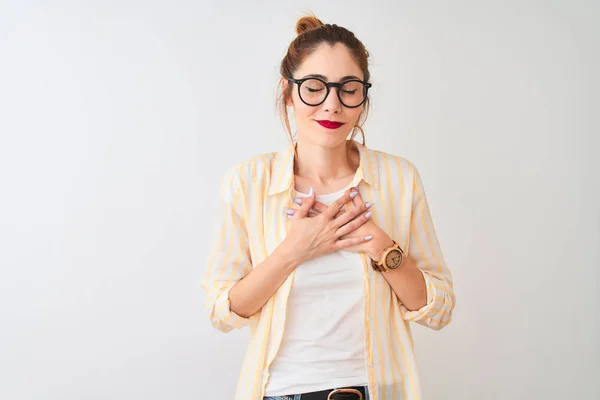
(251,224)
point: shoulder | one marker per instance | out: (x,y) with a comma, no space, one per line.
(248,172)
(257,164)
(387,163)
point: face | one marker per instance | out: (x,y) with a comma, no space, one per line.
(313,123)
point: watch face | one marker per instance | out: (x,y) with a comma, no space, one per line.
(393,259)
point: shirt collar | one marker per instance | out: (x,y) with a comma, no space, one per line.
(282,169)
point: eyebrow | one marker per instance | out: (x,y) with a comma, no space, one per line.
(345,78)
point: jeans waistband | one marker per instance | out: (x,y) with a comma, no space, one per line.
(322,395)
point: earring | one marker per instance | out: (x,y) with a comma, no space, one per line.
(361,132)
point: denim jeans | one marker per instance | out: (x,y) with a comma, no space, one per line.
(299,396)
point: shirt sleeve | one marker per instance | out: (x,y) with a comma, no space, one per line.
(425,250)
(229,258)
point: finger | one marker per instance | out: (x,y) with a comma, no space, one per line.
(348,204)
(319,207)
(316,209)
(367,237)
(307,204)
(354,202)
(358,200)
(343,210)
(348,216)
(290,212)
(337,205)
(351,241)
(354,224)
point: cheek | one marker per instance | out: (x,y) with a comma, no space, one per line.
(354,113)
(302,111)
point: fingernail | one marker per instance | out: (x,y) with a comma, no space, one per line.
(298,201)
(369,204)
(368,215)
(353,195)
(289,212)
(310,192)
(368,237)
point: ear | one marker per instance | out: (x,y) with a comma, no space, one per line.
(285,84)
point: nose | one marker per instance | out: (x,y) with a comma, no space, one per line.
(332,102)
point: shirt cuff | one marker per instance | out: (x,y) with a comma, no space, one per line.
(225,315)
(432,294)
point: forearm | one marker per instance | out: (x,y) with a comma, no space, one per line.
(252,292)
(408,284)
(407,281)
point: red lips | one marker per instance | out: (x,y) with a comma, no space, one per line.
(330,124)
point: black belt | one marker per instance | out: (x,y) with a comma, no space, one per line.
(350,393)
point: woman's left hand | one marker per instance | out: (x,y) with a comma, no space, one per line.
(379,239)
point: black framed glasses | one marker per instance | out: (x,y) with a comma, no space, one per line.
(313,91)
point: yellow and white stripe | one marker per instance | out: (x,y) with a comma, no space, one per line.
(252,224)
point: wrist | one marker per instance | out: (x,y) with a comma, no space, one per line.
(287,257)
(379,244)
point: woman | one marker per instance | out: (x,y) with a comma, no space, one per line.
(327,249)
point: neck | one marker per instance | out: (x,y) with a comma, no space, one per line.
(324,164)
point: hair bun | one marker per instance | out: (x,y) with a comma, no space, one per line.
(307,23)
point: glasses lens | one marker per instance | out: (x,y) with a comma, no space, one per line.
(313,91)
(352,93)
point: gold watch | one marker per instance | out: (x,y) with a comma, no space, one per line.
(391,259)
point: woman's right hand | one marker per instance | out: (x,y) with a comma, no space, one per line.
(314,236)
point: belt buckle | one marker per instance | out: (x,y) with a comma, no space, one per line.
(345,391)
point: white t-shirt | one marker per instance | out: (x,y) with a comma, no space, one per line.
(323,343)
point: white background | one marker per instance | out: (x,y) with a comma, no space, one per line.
(118,118)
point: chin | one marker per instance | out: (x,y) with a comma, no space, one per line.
(324,137)
(331,139)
